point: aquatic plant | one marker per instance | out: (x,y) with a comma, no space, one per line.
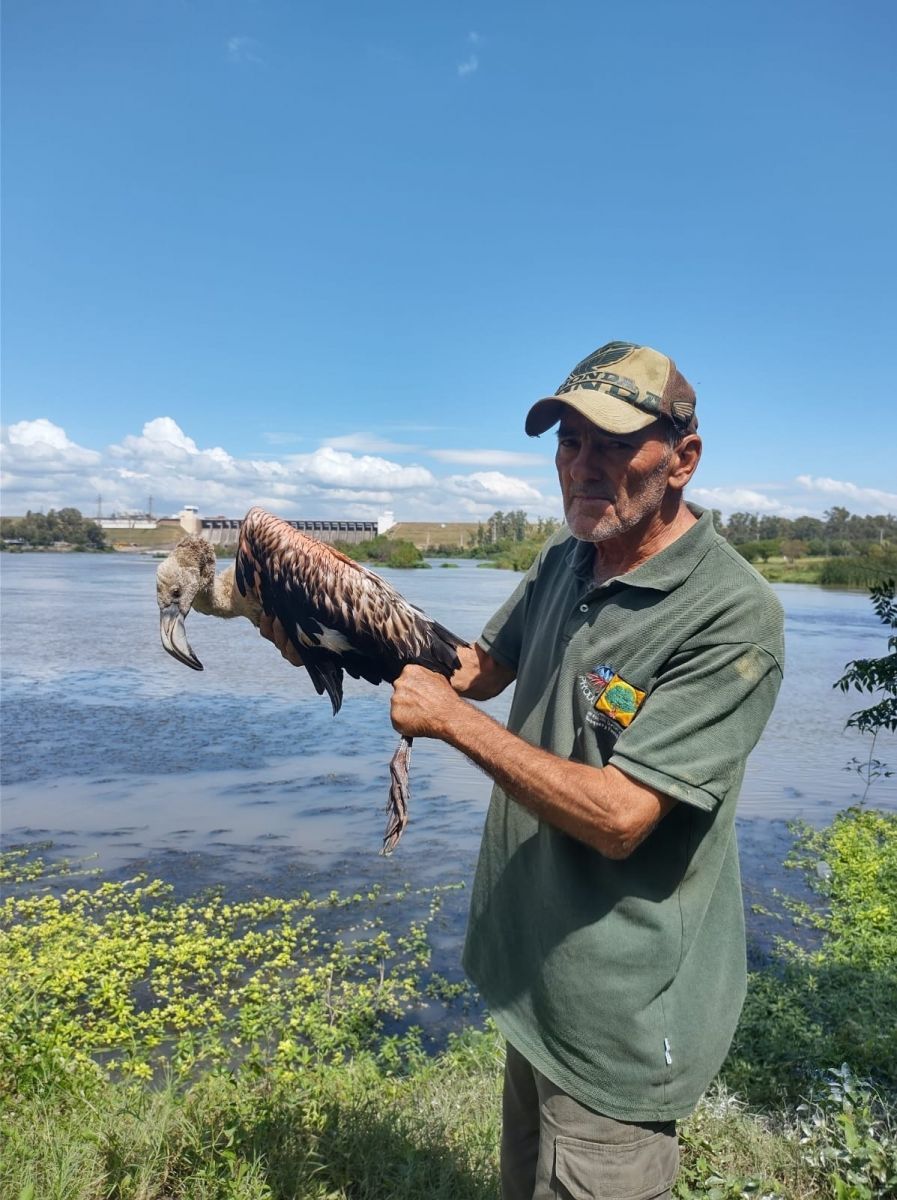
(122,979)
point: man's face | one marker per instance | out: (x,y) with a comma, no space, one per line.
(609,482)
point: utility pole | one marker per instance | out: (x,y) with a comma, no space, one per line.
(99,507)
(149,508)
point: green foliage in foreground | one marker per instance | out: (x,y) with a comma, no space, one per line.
(831,997)
(153,1049)
(876,675)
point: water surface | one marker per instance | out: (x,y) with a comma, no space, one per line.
(240,775)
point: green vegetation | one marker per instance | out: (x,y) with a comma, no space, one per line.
(832,996)
(839,534)
(860,570)
(39,531)
(875,675)
(158,1049)
(384,552)
(153,1048)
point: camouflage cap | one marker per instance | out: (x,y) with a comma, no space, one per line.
(642,386)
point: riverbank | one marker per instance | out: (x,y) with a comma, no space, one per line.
(266,1049)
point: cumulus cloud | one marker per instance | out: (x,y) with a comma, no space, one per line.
(869,499)
(734,499)
(44,469)
(44,446)
(335,468)
(494,486)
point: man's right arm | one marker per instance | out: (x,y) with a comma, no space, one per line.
(480,676)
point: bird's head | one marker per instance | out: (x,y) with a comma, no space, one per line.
(188,570)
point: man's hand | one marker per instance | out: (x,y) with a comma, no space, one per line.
(422,703)
(271,628)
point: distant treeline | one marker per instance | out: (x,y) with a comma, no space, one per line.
(41,530)
(835,535)
(859,550)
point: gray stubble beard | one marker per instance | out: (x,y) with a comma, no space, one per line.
(653,491)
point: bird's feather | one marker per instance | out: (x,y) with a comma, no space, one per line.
(338,615)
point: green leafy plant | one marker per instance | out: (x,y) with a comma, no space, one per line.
(875,675)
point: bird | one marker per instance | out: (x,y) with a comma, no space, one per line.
(339,617)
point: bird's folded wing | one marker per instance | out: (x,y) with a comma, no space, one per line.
(332,608)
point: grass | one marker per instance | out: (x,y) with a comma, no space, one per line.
(801,570)
(165,538)
(154,1049)
(428,534)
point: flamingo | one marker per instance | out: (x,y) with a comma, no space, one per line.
(337,615)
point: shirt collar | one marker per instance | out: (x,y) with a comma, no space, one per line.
(664,570)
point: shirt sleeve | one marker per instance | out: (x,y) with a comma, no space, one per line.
(502,637)
(702,717)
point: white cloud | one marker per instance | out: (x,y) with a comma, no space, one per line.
(368,443)
(332,467)
(488,458)
(494,486)
(880,502)
(44,469)
(44,446)
(734,499)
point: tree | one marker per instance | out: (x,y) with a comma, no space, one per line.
(875,675)
(793,548)
(742,527)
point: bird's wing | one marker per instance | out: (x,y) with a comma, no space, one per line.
(333,608)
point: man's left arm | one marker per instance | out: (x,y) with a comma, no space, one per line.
(600,806)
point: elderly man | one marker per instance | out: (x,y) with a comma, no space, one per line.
(606,930)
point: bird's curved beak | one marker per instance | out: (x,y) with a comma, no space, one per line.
(174,637)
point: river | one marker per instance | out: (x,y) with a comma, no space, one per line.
(239,775)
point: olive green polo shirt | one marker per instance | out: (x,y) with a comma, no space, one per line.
(622,981)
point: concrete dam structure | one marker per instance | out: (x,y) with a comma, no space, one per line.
(224,531)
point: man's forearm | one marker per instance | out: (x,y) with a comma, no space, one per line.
(600,806)
(480,676)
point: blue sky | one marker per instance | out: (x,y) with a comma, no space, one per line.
(323,256)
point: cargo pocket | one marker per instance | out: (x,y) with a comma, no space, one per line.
(642,1170)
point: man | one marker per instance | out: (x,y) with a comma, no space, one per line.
(606,929)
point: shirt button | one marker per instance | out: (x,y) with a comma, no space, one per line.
(583,608)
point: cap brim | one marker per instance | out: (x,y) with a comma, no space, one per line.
(607,412)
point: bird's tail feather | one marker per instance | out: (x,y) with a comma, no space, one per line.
(327,677)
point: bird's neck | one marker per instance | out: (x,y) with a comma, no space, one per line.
(223,599)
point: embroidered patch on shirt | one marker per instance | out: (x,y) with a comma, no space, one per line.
(599,678)
(620,700)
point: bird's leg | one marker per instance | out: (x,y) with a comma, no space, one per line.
(399,793)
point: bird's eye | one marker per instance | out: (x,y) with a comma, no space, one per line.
(175,592)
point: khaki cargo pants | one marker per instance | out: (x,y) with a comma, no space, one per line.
(553,1147)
